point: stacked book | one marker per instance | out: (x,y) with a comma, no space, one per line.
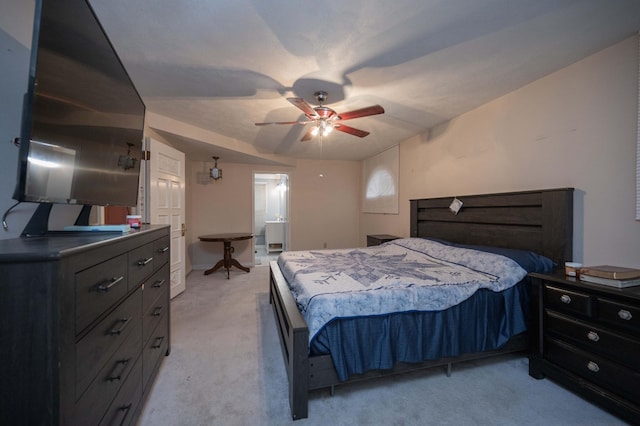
(614,276)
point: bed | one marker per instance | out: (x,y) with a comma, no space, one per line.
(536,221)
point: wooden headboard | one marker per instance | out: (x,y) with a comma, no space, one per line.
(540,221)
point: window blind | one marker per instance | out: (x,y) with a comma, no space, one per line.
(380,182)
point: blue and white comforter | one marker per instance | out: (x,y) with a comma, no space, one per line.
(404,275)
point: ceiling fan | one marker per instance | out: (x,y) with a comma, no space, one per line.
(326,119)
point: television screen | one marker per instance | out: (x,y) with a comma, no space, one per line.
(83,120)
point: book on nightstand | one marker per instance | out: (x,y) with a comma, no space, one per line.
(610,281)
(611,272)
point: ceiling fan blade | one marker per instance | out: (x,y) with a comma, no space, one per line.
(307,136)
(283,122)
(352,131)
(364,112)
(303,106)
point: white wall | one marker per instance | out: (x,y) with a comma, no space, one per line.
(16,25)
(324,212)
(574,128)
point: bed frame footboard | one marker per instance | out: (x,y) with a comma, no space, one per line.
(294,341)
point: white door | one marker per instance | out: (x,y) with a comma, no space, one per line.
(165,180)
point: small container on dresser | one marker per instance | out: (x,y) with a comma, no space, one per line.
(377,239)
(587,338)
(85,322)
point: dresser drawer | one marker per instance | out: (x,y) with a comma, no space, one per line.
(614,346)
(154,314)
(563,300)
(154,287)
(124,406)
(140,264)
(93,351)
(94,402)
(161,252)
(620,315)
(598,370)
(98,288)
(154,349)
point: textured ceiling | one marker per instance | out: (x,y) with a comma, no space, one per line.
(222,65)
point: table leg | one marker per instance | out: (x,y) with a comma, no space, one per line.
(227,262)
(239,266)
(217,266)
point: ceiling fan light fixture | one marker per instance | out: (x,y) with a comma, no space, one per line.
(325,119)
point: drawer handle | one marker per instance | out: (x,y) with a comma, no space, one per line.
(157,343)
(593,336)
(119,367)
(157,311)
(111,283)
(592,366)
(144,262)
(122,414)
(163,250)
(565,299)
(158,284)
(624,314)
(119,330)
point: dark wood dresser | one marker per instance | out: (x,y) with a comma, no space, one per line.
(587,338)
(85,322)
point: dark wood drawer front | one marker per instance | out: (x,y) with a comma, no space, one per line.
(98,288)
(95,401)
(154,349)
(615,346)
(161,252)
(154,287)
(154,314)
(568,301)
(93,351)
(600,371)
(620,315)
(140,264)
(122,410)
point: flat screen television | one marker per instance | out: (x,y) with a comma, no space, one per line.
(83,119)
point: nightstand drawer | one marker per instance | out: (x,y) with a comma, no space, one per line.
(614,346)
(619,315)
(618,379)
(567,301)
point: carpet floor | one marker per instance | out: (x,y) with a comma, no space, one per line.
(226,368)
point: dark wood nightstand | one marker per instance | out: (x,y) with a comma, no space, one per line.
(587,338)
(376,240)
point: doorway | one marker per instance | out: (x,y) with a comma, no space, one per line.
(270,216)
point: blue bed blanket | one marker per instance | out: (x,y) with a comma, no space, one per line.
(403,275)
